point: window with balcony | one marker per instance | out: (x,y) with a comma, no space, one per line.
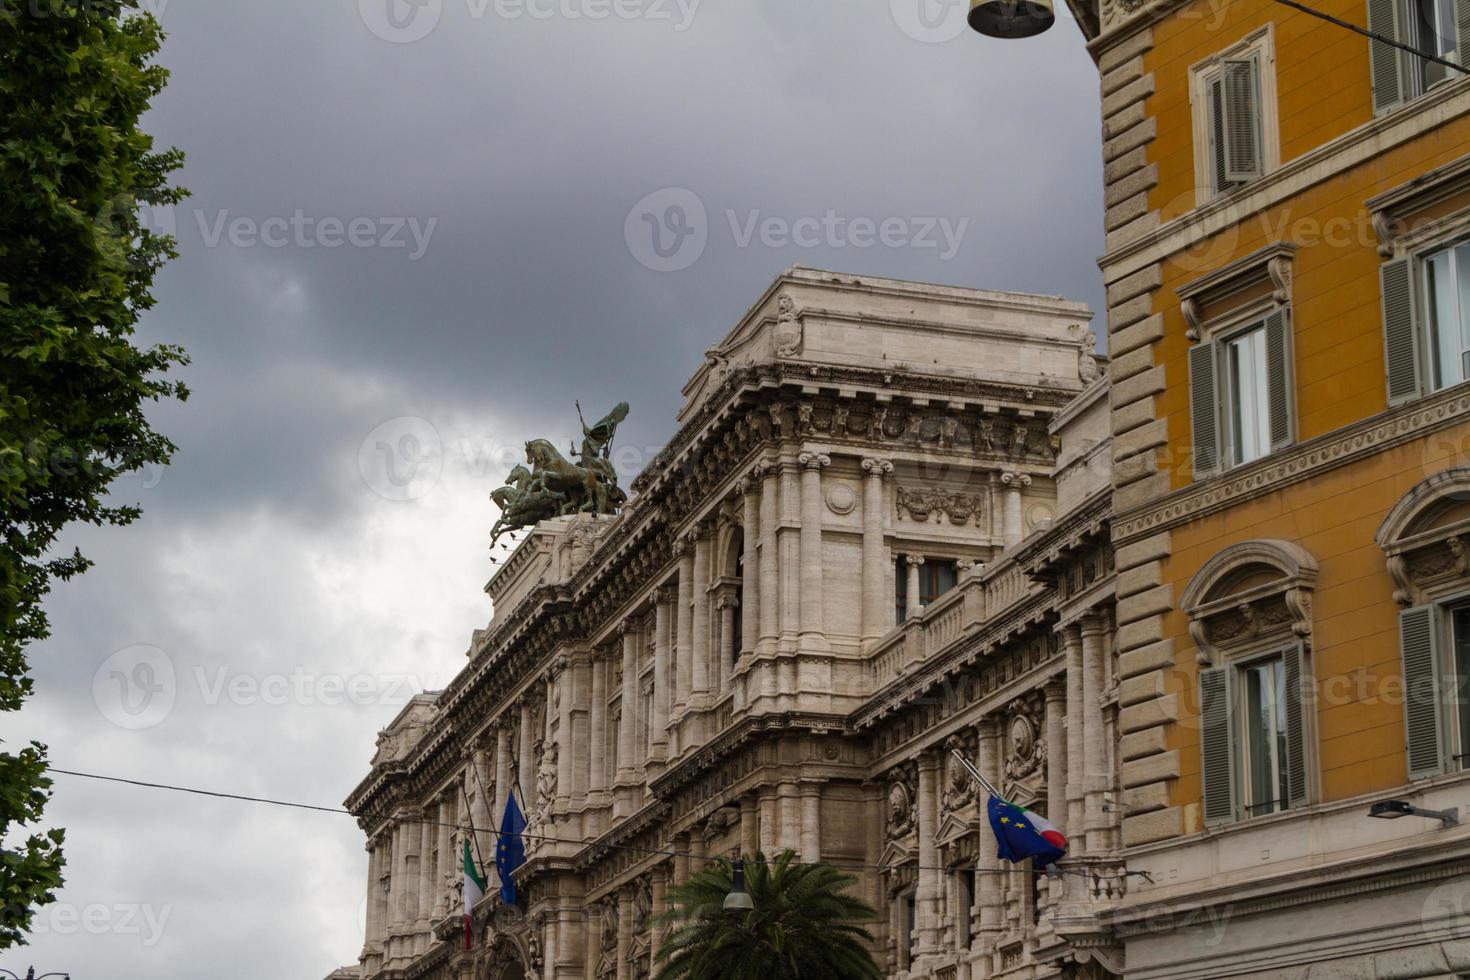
(1433,27)
(1234,96)
(1426,320)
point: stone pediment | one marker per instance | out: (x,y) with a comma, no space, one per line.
(900,852)
(960,823)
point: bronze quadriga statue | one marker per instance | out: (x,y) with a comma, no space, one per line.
(555,486)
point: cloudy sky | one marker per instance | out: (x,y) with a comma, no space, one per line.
(417,234)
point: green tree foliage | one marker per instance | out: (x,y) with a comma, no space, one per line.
(76,270)
(804,926)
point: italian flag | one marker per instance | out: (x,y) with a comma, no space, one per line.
(474,890)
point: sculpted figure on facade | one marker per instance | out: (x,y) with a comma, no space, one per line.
(555,486)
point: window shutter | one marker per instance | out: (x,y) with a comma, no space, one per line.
(1419,636)
(1400,330)
(1203,409)
(1297,674)
(1462,38)
(1389,76)
(1242,119)
(1217,744)
(1218,165)
(1278,379)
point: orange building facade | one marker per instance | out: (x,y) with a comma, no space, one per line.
(1288,276)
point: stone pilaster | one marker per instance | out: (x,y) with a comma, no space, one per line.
(597,752)
(628,769)
(1076,755)
(877,607)
(988,879)
(726,605)
(811,821)
(750,839)
(770,625)
(813,628)
(700,679)
(927,896)
(1056,755)
(663,636)
(750,592)
(1099,780)
(684,658)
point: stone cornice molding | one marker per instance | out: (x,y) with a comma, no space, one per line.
(1351,149)
(1426,563)
(1295,464)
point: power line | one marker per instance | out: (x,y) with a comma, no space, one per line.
(1374,35)
(340,811)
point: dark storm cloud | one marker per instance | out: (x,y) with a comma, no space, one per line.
(517,144)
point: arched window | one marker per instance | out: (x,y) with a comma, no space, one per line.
(1250,616)
(1425,538)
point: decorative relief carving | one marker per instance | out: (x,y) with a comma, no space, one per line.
(960,508)
(841,499)
(902,802)
(1248,592)
(789,329)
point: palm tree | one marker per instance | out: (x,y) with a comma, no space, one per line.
(803,926)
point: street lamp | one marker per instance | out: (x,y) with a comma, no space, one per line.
(31,975)
(1011,18)
(739,899)
(1394,809)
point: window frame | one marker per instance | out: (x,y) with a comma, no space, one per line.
(1416,249)
(1455,734)
(1216,336)
(1239,666)
(1261,46)
(1230,399)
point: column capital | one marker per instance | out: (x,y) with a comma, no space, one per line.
(878,468)
(666,594)
(1093,625)
(914,560)
(990,727)
(630,626)
(683,547)
(1015,481)
(726,601)
(964,564)
(1056,690)
(814,461)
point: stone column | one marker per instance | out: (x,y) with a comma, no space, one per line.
(1014,524)
(749,573)
(727,606)
(446,864)
(813,628)
(770,624)
(750,836)
(428,834)
(374,872)
(502,792)
(811,821)
(660,886)
(628,727)
(1095,748)
(684,666)
(398,897)
(625,934)
(912,607)
(597,753)
(770,818)
(1076,761)
(989,883)
(658,747)
(581,740)
(681,859)
(789,834)
(993,507)
(565,747)
(927,896)
(526,765)
(475,788)
(789,546)
(877,608)
(1056,754)
(699,682)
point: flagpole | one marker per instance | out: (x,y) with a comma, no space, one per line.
(469,814)
(977,776)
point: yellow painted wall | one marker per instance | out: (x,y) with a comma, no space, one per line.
(1324,91)
(1356,647)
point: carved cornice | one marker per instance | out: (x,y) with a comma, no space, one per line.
(1304,461)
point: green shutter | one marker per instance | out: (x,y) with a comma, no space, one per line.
(1240,85)
(1400,330)
(1217,748)
(1298,694)
(1462,39)
(1279,392)
(1204,409)
(1218,163)
(1419,636)
(1387,62)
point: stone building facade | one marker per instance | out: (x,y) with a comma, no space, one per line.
(880,532)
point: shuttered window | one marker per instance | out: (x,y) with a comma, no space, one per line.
(1242,395)
(1254,747)
(1234,97)
(1436,27)
(1426,321)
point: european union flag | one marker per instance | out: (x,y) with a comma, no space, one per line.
(1022,834)
(510,853)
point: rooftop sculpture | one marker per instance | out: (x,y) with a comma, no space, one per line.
(555,486)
